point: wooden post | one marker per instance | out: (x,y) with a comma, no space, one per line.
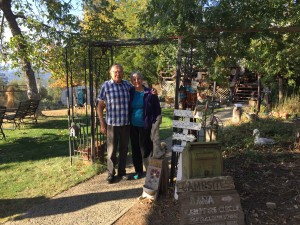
(280,89)
(178,75)
(258,94)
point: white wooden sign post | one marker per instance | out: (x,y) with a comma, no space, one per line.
(186,135)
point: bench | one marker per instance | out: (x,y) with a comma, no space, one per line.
(26,109)
(2,114)
(31,111)
(17,117)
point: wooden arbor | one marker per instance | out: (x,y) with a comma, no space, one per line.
(93,71)
(85,134)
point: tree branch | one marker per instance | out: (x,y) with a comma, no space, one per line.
(292,29)
(2,28)
(19,15)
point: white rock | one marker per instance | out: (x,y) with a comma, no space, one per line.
(271,205)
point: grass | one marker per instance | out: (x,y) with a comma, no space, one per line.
(165,130)
(290,105)
(238,139)
(35,163)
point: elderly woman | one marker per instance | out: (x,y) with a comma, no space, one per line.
(144,108)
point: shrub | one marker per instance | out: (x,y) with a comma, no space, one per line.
(290,105)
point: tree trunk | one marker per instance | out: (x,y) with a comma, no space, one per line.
(280,89)
(32,91)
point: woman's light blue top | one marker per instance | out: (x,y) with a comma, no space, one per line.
(137,109)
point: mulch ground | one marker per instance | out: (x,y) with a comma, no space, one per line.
(267,181)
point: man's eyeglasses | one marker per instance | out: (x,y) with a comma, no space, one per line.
(118,71)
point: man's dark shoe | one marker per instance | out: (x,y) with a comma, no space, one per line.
(110,178)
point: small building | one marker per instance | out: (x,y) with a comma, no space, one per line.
(80,94)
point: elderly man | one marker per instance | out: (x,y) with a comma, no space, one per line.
(114,95)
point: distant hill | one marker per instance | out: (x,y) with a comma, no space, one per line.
(11,75)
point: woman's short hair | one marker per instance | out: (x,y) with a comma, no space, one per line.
(133,74)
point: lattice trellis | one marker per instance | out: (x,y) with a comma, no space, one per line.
(223,92)
(168,88)
(220,93)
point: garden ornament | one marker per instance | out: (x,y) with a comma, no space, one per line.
(74,130)
(159,148)
(261,141)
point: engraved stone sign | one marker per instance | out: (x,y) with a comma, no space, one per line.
(211,208)
(206,184)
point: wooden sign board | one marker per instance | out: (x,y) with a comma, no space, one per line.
(211,208)
(153,177)
(164,175)
(206,184)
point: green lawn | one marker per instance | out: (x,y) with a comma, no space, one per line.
(35,163)
(165,130)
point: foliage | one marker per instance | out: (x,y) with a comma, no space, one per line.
(168,18)
(43,92)
(216,35)
(290,105)
(128,12)
(248,34)
(39,35)
(103,20)
(34,29)
(100,21)
(118,20)
(237,139)
(138,58)
(142,59)
(55,94)
(270,54)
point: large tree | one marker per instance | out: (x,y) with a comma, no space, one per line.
(110,19)
(35,26)
(262,35)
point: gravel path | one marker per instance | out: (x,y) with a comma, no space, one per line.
(225,114)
